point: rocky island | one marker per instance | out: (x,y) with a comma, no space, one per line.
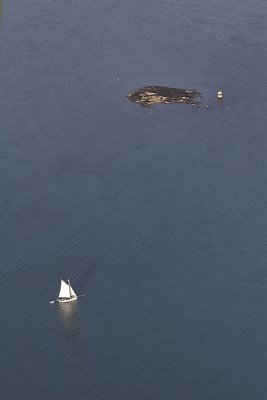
(150,95)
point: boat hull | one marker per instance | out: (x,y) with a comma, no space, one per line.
(67,300)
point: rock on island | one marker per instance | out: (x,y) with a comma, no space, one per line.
(150,95)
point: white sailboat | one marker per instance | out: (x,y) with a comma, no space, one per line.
(66,293)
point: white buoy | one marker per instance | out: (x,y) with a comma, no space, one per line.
(220,94)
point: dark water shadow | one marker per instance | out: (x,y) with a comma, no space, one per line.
(81,283)
(1,12)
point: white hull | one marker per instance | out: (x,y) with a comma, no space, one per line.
(220,94)
(67,300)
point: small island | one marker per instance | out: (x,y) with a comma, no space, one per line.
(148,96)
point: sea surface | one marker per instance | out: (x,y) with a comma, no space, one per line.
(158,215)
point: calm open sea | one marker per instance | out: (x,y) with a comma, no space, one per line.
(158,215)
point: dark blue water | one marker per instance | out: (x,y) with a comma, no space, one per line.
(157,215)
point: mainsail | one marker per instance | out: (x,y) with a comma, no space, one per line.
(64,290)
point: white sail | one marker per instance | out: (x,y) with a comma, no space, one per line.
(72,293)
(64,290)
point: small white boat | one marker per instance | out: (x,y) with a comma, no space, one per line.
(66,293)
(220,94)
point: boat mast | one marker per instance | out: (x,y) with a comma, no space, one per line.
(69,287)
